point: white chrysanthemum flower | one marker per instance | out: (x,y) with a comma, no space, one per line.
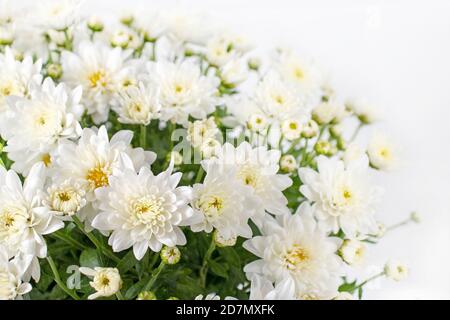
(279,100)
(65,199)
(327,112)
(381,152)
(353,152)
(105,281)
(34,127)
(16,76)
(256,168)
(100,70)
(93,158)
(210,148)
(55,14)
(291,129)
(220,50)
(352,251)
(150,24)
(23,218)
(200,131)
(342,195)
(310,129)
(395,270)
(184,91)
(137,105)
(297,247)
(235,72)
(301,72)
(222,203)
(263,289)
(366,112)
(125,38)
(143,210)
(257,123)
(11,285)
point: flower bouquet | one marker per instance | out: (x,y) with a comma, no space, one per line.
(153,157)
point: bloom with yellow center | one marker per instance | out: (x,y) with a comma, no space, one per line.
(65,199)
(142,210)
(295,247)
(342,194)
(105,281)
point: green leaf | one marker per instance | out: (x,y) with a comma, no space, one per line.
(89,258)
(230,255)
(127,262)
(360,293)
(134,290)
(218,268)
(348,287)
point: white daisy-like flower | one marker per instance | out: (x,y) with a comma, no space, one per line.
(94,157)
(65,199)
(35,126)
(291,129)
(223,203)
(105,281)
(329,112)
(296,247)
(381,152)
(396,270)
(100,70)
(137,105)
(16,77)
(235,72)
(200,131)
(278,99)
(353,152)
(143,210)
(151,25)
(11,285)
(366,112)
(184,91)
(302,72)
(55,14)
(342,195)
(23,219)
(212,296)
(263,289)
(256,168)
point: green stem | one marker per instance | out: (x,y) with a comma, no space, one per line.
(155,276)
(362,284)
(143,136)
(355,134)
(204,269)
(95,241)
(67,239)
(199,176)
(397,225)
(58,280)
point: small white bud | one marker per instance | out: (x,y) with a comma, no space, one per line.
(170,255)
(310,129)
(288,163)
(352,252)
(106,281)
(220,241)
(291,129)
(257,123)
(396,270)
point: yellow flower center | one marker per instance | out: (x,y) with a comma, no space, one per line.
(97,79)
(64,196)
(296,258)
(298,73)
(148,210)
(46,159)
(98,176)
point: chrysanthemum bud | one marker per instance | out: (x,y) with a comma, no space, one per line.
(415,217)
(310,129)
(352,251)
(170,255)
(95,24)
(324,147)
(288,163)
(220,241)
(254,63)
(54,71)
(120,39)
(6,37)
(173,298)
(146,295)
(395,270)
(127,19)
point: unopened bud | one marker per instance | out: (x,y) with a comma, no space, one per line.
(146,295)
(54,71)
(220,241)
(170,255)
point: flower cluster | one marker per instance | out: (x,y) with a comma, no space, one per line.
(160,158)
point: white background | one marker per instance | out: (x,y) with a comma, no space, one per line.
(396,53)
